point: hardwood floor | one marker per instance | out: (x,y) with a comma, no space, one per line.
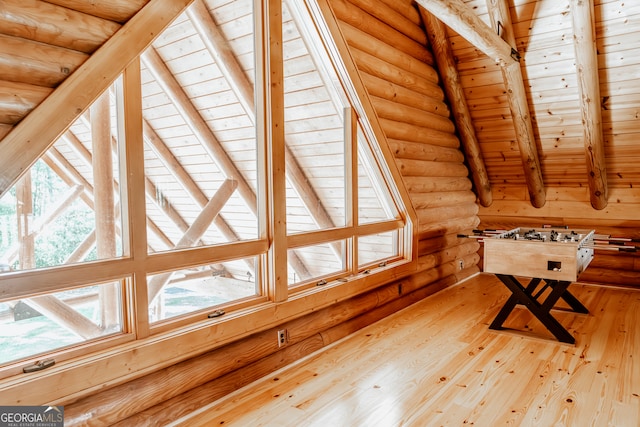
(437,363)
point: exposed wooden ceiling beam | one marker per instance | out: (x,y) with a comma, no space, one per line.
(453,87)
(184,179)
(584,42)
(460,18)
(519,106)
(26,142)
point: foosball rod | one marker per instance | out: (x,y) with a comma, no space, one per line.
(621,241)
(616,248)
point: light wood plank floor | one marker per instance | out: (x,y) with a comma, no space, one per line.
(436,363)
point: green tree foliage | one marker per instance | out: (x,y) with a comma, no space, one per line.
(60,238)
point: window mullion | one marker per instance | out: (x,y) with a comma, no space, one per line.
(132,179)
(273,116)
(351,183)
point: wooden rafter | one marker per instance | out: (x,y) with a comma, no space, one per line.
(458,16)
(196,123)
(584,42)
(519,105)
(453,87)
(184,179)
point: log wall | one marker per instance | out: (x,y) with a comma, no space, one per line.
(389,46)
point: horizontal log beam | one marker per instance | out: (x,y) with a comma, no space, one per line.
(416,184)
(427,169)
(35,63)
(371,44)
(402,113)
(358,18)
(409,132)
(449,198)
(435,215)
(431,98)
(113,10)
(18,99)
(392,18)
(54,25)
(386,69)
(424,151)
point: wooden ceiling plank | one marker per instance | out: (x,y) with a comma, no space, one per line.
(39,130)
(584,41)
(221,52)
(436,33)
(519,106)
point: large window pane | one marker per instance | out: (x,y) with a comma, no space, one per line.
(185,291)
(314,129)
(316,261)
(377,248)
(200,129)
(45,323)
(375,203)
(65,208)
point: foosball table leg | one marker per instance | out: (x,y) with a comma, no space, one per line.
(524,295)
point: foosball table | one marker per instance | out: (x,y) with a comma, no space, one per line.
(552,258)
